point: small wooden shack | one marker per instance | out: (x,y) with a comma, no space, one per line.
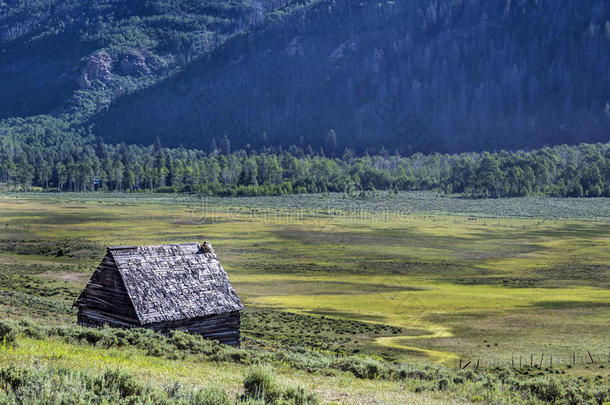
(163,287)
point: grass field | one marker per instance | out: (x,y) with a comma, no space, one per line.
(410,278)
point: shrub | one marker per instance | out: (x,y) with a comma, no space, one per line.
(545,389)
(363,367)
(443,384)
(602,395)
(416,374)
(174,390)
(421,386)
(90,335)
(8,334)
(458,380)
(33,332)
(66,386)
(260,384)
(120,381)
(14,378)
(238,356)
(299,396)
(193,343)
(210,396)
(153,347)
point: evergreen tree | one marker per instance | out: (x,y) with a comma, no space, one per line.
(226,146)
(331,142)
(100,148)
(160,169)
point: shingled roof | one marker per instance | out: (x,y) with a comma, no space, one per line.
(174,282)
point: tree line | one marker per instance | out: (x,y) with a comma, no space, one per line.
(92,165)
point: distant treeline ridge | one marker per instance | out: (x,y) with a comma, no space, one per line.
(90,165)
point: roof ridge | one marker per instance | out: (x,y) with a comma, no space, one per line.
(150,246)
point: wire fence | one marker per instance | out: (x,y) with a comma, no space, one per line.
(542,360)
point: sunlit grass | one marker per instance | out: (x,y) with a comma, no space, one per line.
(198,372)
(460,279)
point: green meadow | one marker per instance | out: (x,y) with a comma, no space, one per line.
(410,278)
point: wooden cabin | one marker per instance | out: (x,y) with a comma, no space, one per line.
(163,288)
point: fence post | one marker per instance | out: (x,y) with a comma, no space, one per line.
(574,358)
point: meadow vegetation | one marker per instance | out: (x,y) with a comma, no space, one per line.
(376,300)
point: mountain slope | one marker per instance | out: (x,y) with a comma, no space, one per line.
(416,76)
(411,75)
(78,56)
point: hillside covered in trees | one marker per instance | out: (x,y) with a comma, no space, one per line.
(413,76)
(60,160)
(417,76)
(77,57)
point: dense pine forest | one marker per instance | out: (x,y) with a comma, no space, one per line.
(283,96)
(447,76)
(83,163)
(417,76)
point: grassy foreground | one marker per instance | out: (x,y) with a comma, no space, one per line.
(394,281)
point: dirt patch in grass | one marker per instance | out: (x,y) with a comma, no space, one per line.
(396,266)
(77,248)
(572,305)
(596,275)
(290,268)
(369,236)
(79,278)
(558,276)
(344,315)
(516,282)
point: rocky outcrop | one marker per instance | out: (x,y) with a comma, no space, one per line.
(294,48)
(340,51)
(101,65)
(98,67)
(133,63)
